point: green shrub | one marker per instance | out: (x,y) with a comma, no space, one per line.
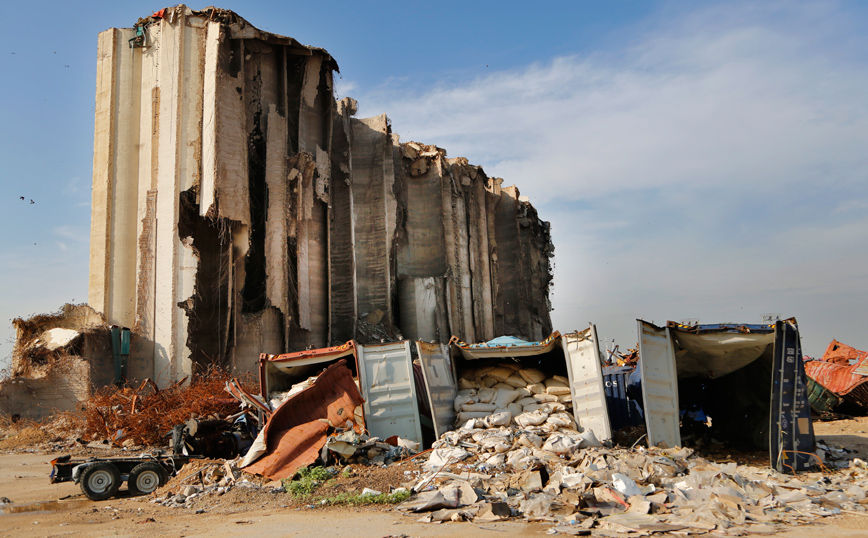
(357,499)
(310,478)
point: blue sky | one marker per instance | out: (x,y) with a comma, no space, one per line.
(696,159)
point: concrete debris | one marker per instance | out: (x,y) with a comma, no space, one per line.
(57,358)
(206,478)
(485,473)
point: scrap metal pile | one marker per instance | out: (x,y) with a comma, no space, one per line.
(145,414)
(842,376)
(542,473)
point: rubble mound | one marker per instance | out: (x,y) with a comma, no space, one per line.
(484,473)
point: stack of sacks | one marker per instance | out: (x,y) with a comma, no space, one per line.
(499,394)
(520,442)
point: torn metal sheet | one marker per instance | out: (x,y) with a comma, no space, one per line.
(716,354)
(840,353)
(233,387)
(298,429)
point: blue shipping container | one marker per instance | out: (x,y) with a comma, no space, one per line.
(623,410)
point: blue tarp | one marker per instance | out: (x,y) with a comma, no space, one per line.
(510,341)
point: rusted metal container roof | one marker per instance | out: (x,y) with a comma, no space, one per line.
(839,379)
(499,347)
(326,353)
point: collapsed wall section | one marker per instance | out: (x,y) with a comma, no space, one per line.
(472,257)
(238,209)
(60,357)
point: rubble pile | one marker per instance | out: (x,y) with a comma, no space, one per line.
(201,479)
(543,472)
(144,415)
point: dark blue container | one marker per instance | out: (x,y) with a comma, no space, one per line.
(623,409)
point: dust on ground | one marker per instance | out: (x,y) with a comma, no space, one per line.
(42,509)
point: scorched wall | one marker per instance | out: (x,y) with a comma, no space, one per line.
(239,209)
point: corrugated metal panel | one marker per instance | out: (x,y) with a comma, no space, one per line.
(791,443)
(623,411)
(586,381)
(295,434)
(439,383)
(386,376)
(659,384)
(839,379)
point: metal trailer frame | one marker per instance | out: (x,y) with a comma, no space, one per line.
(100,478)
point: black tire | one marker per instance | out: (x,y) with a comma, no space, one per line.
(146,477)
(100,481)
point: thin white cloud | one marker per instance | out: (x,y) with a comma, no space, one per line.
(73,233)
(716,164)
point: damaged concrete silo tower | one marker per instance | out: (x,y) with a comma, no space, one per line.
(239,209)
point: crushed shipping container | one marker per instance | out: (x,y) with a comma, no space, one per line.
(510,375)
(749,380)
(385,381)
(848,381)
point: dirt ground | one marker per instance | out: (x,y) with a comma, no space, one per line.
(60,510)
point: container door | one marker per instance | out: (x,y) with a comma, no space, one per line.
(437,372)
(584,366)
(791,439)
(389,390)
(659,385)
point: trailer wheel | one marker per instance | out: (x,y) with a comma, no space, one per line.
(146,477)
(100,481)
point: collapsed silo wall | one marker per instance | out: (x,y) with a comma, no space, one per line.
(239,209)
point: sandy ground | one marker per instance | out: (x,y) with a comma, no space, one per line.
(55,510)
